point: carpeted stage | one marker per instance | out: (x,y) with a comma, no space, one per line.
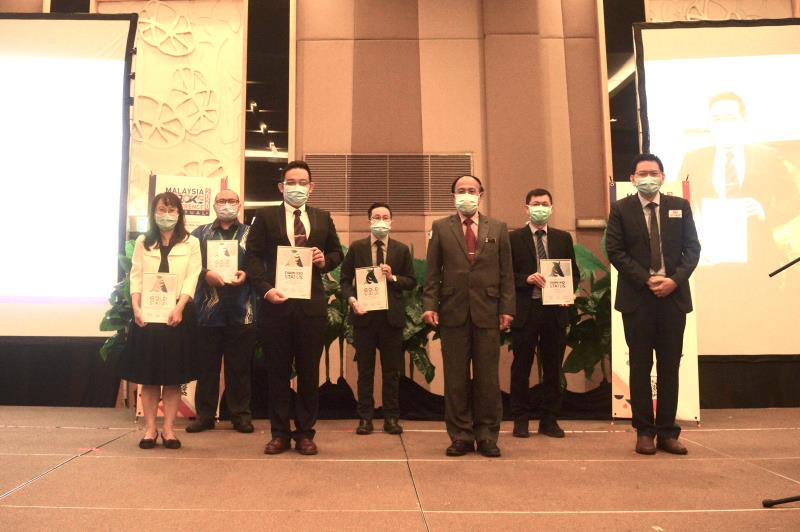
(81,469)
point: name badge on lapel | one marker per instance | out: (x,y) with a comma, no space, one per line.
(489,240)
(675,213)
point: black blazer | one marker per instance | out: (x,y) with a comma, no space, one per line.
(267,232)
(628,246)
(398,256)
(525,262)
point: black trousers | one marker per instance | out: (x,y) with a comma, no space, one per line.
(236,343)
(657,324)
(473,407)
(290,337)
(540,329)
(379,334)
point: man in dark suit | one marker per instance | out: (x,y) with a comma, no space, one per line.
(293,331)
(381,329)
(652,242)
(469,295)
(536,324)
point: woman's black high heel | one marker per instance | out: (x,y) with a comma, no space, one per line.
(171,444)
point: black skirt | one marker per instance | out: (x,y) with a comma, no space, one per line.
(160,354)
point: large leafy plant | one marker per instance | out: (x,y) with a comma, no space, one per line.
(118,318)
(589,333)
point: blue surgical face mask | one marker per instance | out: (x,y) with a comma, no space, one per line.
(380,228)
(466,204)
(166,222)
(539,214)
(295,195)
(227,212)
(648,186)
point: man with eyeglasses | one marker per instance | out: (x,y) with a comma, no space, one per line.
(379,329)
(225,311)
(292,330)
(652,242)
(469,296)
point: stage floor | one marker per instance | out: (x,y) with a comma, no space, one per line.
(81,469)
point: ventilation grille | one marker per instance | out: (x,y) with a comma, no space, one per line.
(414,183)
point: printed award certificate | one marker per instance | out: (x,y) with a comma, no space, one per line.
(371,288)
(158,296)
(558,288)
(293,272)
(222,256)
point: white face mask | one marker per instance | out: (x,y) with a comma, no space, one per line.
(295,195)
(466,204)
(226,212)
(380,228)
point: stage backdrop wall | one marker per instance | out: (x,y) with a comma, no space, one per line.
(188,92)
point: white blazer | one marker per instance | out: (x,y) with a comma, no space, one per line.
(184,260)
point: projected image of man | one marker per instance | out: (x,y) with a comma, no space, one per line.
(741,191)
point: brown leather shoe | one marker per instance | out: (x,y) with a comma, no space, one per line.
(306,446)
(672,446)
(277,446)
(645,445)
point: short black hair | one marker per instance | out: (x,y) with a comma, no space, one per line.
(376,205)
(538,192)
(453,186)
(728,95)
(296,164)
(645,157)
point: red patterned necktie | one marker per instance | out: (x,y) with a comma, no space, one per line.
(470,239)
(299,230)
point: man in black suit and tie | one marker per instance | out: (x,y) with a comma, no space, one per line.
(652,242)
(381,329)
(293,331)
(536,324)
(469,296)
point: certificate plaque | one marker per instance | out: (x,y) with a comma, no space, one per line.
(558,288)
(371,288)
(222,256)
(293,270)
(158,296)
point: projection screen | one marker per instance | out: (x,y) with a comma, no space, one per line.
(64,120)
(718,102)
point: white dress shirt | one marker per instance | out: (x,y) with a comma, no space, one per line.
(721,161)
(374,248)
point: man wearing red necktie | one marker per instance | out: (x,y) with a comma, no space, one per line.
(469,296)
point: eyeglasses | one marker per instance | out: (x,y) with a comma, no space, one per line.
(230,201)
(654,173)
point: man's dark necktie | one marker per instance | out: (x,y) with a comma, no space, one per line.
(299,230)
(541,253)
(470,239)
(731,175)
(379,259)
(655,239)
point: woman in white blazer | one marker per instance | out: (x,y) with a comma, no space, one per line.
(163,354)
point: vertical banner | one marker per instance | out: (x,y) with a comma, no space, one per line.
(689,390)
(196,193)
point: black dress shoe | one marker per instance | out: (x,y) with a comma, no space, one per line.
(551,428)
(245,427)
(521,429)
(460,448)
(148,443)
(200,425)
(364,427)
(488,449)
(391,426)
(174,443)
